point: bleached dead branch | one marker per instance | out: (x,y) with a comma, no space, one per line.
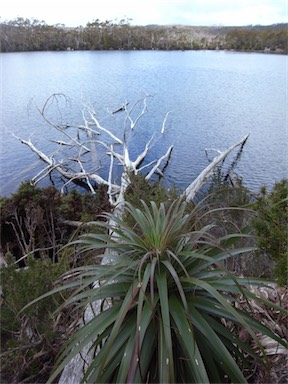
(133,123)
(73,167)
(195,186)
(103,129)
(159,161)
(164,122)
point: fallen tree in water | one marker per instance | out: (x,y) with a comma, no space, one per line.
(196,185)
(91,138)
(71,155)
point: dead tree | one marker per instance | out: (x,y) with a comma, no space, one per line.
(196,184)
(89,139)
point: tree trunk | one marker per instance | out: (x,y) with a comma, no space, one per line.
(195,186)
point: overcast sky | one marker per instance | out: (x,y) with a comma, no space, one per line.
(189,12)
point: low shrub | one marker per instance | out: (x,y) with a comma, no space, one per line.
(271,226)
(30,340)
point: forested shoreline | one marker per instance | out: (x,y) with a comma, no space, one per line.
(22,35)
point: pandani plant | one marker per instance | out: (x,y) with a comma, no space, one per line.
(167,300)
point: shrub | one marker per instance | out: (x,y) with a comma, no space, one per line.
(271,224)
(33,219)
(84,207)
(232,208)
(30,339)
(168,300)
(140,190)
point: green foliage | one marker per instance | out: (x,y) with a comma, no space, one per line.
(223,194)
(84,207)
(140,190)
(32,218)
(249,39)
(237,199)
(33,228)
(171,300)
(232,210)
(169,285)
(30,339)
(271,225)
(28,220)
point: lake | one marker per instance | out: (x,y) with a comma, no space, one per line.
(215,98)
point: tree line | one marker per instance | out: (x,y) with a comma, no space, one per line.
(34,35)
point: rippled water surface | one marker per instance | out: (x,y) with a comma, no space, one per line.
(215,98)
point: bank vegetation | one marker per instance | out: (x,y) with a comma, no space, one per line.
(33,35)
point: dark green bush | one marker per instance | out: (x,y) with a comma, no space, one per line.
(29,221)
(271,225)
(30,339)
(139,189)
(33,219)
(84,207)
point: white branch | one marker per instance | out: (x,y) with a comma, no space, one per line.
(68,175)
(93,117)
(126,160)
(146,165)
(88,130)
(154,169)
(42,155)
(164,122)
(86,127)
(87,178)
(60,142)
(117,156)
(47,170)
(133,123)
(214,150)
(65,184)
(76,142)
(142,156)
(62,129)
(144,110)
(36,179)
(195,186)
(110,177)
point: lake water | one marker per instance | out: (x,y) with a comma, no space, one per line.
(215,98)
